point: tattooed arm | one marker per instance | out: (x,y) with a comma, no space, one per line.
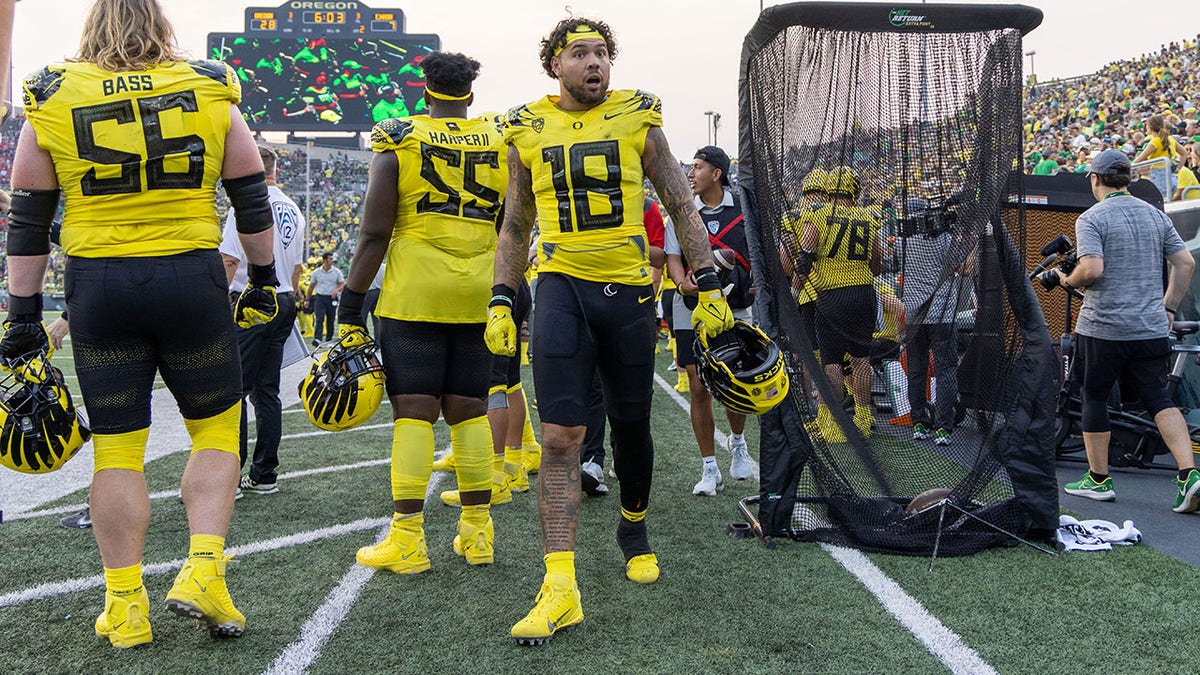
(512,248)
(669,180)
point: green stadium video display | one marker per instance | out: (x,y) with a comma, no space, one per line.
(324,83)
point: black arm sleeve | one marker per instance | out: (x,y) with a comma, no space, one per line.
(248,195)
(29,221)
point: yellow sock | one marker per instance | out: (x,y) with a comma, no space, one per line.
(123,580)
(498,462)
(562,562)
(527,437)
(633,516)
(671,345)
(206,546)
(472,443)
(407,522)
(412,458)
(862,411)
(512,455)
(476,516)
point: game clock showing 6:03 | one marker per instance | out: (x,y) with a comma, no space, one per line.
(323,17)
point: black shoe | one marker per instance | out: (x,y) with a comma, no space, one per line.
(78,521)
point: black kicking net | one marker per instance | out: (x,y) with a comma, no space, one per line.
(877,144)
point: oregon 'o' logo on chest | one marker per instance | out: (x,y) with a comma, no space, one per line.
(287,221)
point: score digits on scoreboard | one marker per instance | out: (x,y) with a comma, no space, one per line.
(324,17)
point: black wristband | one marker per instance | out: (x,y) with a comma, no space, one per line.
(351,299)
(262,275)
(707,279)
(502,295)
(1170,311)
(25,309)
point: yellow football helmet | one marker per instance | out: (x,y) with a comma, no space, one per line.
(40,429)
(742,369)
(345,386)
(843,181)
(815,181)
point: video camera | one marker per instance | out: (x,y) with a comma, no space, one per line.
(929,217)
(1060,250)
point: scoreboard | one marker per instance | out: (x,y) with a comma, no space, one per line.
(324,17)
(325,65)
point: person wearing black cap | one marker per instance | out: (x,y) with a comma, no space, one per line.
(1123,324)
(709,177)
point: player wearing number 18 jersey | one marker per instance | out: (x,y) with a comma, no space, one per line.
(433,195)
(577,162)
(136,140)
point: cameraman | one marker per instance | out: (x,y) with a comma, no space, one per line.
(1122,327)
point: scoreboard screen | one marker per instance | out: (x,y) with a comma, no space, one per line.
(325,83)
(324,17)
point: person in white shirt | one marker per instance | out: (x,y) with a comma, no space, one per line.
(261,347)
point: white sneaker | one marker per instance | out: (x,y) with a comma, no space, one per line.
(592,478)
(710,482)
(742,466)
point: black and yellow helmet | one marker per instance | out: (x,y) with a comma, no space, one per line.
(40,429)
(746,373)
(814,182)
(345,386)
(843,181)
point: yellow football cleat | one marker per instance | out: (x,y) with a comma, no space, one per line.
(200,593)
(446,463)
(557,606)
(476,544)
(501,491)
(681,384)
(402,552)
(125,620)
(642,569)
(518,477)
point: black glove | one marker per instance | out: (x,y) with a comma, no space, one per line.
(1049,279)
(24,334)
(257,305)
(349,309)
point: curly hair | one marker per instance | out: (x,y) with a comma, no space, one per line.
(450,73)
(558,38)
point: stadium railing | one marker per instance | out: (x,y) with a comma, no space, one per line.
(1158,171)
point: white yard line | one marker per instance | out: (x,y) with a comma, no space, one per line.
(57,588)
(168,494)
(942,642)
(299,656)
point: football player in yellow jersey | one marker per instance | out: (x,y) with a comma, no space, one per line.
(577,162)
(435,187)
(812,197)
(136,139)
(840,255)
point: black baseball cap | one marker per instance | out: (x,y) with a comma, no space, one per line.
(717,157)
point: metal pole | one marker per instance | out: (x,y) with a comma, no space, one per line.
(710,126)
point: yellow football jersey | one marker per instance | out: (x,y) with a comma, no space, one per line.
(587,180)
(453,176)
(137,154)
(847,234)
(792,224)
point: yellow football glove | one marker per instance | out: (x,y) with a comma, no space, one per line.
(712,315)
(501,333)
(255,306)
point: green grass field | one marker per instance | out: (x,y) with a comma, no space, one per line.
(721,606)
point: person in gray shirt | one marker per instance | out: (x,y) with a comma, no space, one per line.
(1123,325)
(325,283)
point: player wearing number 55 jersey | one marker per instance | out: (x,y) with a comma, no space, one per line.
(840,253)
(432,198)
(577,162)
(136,139)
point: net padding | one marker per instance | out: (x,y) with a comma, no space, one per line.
(923,103)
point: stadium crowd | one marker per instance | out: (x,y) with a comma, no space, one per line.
(1122,106)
